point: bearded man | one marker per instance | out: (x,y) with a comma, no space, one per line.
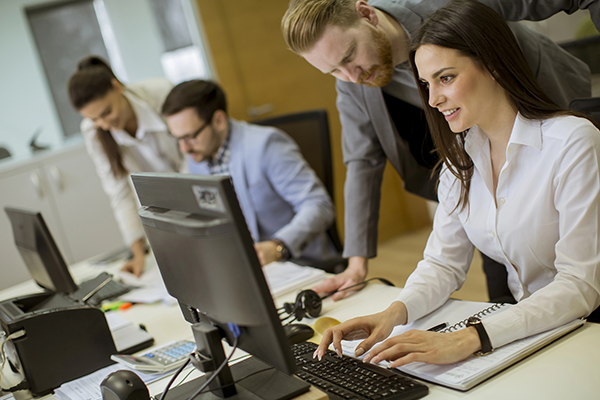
(366,47)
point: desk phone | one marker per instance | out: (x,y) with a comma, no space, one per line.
(162,359)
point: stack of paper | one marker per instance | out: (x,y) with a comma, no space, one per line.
(284,277)
(149,287)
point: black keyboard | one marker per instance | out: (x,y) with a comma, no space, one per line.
(349,378)
(109,291)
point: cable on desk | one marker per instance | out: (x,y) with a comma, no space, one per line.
(382,280)
(185,377)
(309,303)
(22,385)
(235,329)
(231,361)
(164,393)
(217,371)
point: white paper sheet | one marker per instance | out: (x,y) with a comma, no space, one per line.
(88,387)
(284,277)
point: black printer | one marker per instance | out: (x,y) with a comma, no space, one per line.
(60,334)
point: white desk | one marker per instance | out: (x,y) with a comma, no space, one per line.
(566,369)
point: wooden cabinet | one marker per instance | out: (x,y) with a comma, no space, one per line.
(64,187)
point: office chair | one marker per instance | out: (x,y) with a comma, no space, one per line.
(589,106)
(310,130)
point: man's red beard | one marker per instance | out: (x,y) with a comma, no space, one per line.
(384,70)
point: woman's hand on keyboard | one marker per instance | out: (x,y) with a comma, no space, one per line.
(428,347)
(373,328)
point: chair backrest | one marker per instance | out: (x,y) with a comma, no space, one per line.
(310,129)
(589,106)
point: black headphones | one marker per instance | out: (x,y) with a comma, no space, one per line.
(309,303)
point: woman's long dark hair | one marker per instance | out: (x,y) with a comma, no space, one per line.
(478,32)
(93,80)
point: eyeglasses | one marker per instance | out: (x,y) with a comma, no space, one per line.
(190,137)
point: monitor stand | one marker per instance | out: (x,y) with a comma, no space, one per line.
(269,384)
(250,379)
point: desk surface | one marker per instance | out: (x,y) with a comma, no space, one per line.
(567,368)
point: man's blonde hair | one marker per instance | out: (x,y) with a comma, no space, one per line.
(304,21)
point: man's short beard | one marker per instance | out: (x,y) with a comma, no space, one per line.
(384,70)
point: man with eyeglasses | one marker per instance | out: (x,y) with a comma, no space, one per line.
(286,207)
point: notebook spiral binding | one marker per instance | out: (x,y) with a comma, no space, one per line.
(480,314)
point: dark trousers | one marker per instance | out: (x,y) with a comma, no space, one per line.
(594,316)
(497,285)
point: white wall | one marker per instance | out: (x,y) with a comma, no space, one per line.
(25,99)
(137,32)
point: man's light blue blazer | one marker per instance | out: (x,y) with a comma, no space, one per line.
(279,193)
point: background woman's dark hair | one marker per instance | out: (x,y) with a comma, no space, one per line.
(205,97)
(478,32)
(93,80)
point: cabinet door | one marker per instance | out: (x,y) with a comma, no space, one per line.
(27,189)
(83,207)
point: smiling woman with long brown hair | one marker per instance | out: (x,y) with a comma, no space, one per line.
(124,133)
(519,180)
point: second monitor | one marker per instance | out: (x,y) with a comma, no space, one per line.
(206,257)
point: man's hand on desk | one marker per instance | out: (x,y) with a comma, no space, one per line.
(137,264)
(266,252)
(354,274)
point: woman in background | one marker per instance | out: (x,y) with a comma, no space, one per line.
(520,181)
(124,133)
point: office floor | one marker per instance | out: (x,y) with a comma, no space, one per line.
(398,257)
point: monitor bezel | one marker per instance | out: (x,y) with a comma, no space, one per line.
(165,191)
(32,235)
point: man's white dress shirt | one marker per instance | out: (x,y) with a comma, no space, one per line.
(543,226)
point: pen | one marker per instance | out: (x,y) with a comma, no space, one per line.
(115,305)
(438,328)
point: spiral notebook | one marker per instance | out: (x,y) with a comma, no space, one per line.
(465,374)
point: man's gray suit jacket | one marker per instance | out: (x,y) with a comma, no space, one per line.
(369,137)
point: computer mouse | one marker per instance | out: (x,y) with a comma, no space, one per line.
(297,333)
(124,385)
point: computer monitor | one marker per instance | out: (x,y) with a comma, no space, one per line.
(39,251)
(47,266)
(206,257)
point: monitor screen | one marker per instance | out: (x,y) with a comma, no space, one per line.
(206,257)
(39,251)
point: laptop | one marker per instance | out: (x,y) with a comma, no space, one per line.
(47,266)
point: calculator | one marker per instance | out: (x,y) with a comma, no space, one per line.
(161,359)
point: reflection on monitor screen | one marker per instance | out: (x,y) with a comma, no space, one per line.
(207,260)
